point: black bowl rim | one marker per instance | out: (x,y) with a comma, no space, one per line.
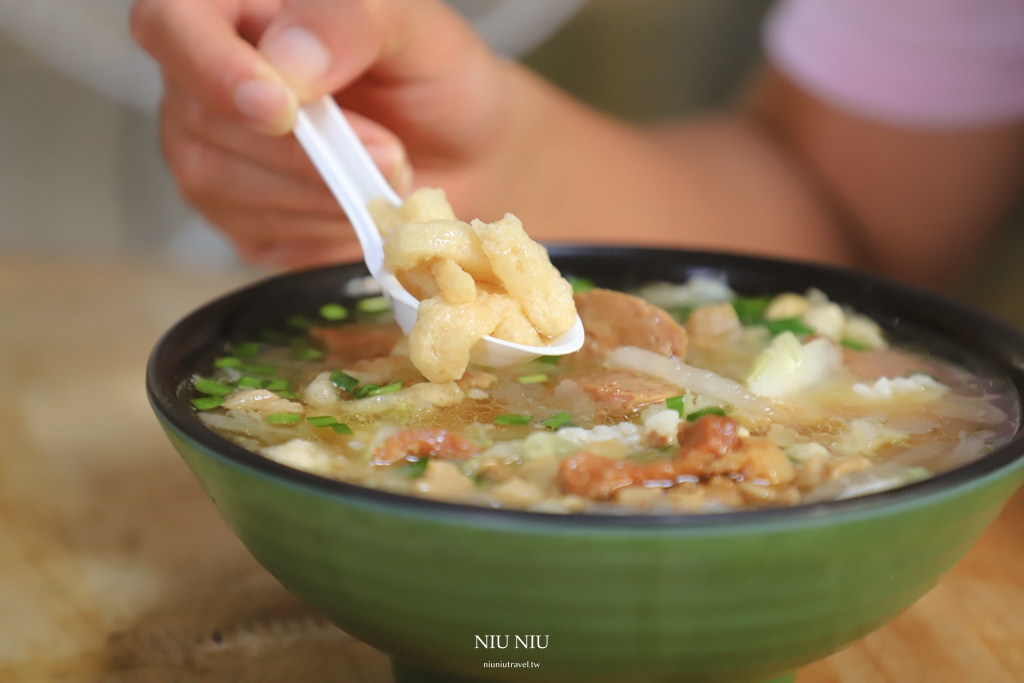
(162,395)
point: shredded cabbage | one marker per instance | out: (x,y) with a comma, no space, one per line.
(695,380)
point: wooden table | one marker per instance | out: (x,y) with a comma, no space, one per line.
(114,566)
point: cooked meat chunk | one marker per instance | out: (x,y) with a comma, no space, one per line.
(712,434)
(621,392)
(424,443)
(351,343)
(613,319)
(595,476)
(710,447)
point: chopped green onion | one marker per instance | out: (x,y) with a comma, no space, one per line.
(207,402)
(750,310)
(386,389)
(287,394)
(710,410)
(227,362)
(557,420)
(375,390)
(513,419)
(284,418)
(580,285)
(676,403)
(342,429)
(415,469)
(662,449)
(300,321)
(855,345)
(246,349)
(250,382)
(208,386)
(364,391)
(533,379)
(258,369)
(308,354)
(794,325)
(322,420)
(343,381)
(374,304)
(681,313)
(548,360)
(277,384)
(333,312)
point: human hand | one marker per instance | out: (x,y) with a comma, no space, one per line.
(412,66)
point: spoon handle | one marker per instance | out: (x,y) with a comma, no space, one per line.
(348,170)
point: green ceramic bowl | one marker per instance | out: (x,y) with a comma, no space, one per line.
(457,593)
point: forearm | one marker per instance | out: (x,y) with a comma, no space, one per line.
(573,174)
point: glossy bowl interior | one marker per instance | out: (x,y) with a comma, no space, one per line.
(744,596)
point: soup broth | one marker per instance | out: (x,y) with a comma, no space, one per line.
(685,399)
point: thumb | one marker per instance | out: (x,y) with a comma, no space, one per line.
(322,46)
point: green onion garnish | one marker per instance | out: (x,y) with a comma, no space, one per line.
(308,354)
(750,310)
(343,381)
(513,419)
(580,285)
(386,389)
(284,418)
(676,403)
(681,313)
(415,469)
(227,362)
(855,345)
(374,304)
(557,420)
(258,369)
(322,420)
(287,394)
(246,349)
(207,402)
(364,391)
(277,384)
(250,382)
(208,386)
(533,379)
(710,410)
(300,321)
(342,429)
(548,360)
(333,312)
(794,325)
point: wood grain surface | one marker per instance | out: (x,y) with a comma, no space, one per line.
(114,566)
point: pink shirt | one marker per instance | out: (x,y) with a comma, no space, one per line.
(925,63)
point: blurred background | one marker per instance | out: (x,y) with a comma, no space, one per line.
(81,170)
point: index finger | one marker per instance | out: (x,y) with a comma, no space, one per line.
(198,47)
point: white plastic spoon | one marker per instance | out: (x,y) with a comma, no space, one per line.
(354,180)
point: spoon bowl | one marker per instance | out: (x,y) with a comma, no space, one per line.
(353,179)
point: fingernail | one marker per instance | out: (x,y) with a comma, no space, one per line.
(299,56)
(269,104)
